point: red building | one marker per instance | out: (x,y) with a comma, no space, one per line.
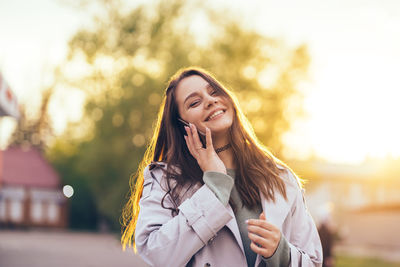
(30,190)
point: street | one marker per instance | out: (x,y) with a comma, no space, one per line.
(41,248)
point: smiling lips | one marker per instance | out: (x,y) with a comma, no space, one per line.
(215,114)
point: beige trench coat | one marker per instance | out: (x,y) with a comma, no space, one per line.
(205,232)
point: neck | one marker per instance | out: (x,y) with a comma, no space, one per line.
(227,155)
(220,140)
(227,158)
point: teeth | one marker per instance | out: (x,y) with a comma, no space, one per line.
(215,114)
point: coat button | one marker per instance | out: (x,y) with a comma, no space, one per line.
(211,240)
(207,264)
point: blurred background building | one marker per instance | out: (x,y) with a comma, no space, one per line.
(30,190)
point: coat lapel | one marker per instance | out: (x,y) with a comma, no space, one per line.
(275,212)
(232,225)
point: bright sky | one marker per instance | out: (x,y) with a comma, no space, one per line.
(351,99)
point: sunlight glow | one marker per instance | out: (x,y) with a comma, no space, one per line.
(351,102)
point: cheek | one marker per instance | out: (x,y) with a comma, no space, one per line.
(195,115)
(231,114)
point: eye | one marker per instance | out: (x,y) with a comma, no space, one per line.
(214,92)
(194,103)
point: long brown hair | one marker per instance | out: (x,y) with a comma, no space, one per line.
(256,168)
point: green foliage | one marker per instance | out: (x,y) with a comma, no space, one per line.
(82,208)
(130,58)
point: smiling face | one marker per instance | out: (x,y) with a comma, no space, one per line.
(199,103)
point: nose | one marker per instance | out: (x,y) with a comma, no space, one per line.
(211,101)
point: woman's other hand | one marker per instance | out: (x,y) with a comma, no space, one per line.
(207,158)
(264,236)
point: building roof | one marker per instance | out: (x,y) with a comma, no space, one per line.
(22,167)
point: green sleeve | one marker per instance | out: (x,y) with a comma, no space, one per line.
(281,257)
(220,183)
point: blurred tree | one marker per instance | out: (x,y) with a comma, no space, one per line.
(34,130)
(125,62)
(82,207)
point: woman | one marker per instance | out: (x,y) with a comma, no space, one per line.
(207,193)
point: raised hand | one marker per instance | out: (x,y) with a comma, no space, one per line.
(207,158)
(264,236)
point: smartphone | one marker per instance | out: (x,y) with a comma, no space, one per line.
(187,124)
(202,135)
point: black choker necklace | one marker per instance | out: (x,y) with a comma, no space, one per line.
(220,149)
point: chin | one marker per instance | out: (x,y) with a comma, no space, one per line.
(222,128)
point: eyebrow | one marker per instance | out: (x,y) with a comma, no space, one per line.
(195,93)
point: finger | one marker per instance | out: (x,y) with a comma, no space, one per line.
(196,139)
(262,223)
(259,240)
(188,146)
(190,137)
(209,144)
(259,250)
(271,236)
(189,142)
(260,231)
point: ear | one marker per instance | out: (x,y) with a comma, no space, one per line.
(262,216)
